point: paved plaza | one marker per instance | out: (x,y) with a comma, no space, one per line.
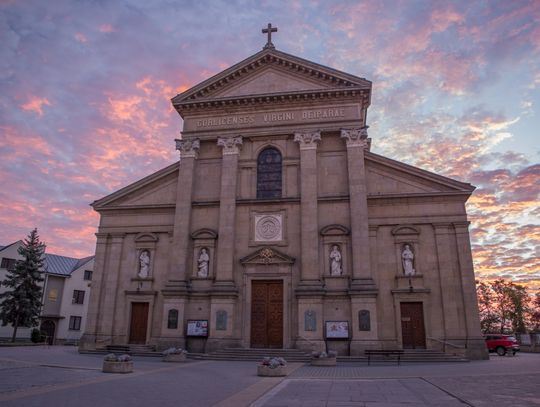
(56,375)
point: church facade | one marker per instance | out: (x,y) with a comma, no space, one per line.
(279,228)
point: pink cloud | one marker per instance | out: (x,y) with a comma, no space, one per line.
(35,104)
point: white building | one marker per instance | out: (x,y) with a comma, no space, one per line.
(65,295)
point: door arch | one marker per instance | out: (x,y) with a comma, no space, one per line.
(49,328)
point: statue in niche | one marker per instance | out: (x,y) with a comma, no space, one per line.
(407,259)
(335,261)
(202,263)
(144,264)
(310,321)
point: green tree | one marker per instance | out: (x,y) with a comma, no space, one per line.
(20,304)
(504,306)
(489,318)
(535,313)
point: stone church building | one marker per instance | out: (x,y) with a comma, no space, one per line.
(279,228)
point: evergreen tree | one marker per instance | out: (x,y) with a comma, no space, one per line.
(20,304)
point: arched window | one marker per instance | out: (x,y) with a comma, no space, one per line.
(172,319)
(269,174)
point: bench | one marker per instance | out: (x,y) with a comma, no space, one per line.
(391,352)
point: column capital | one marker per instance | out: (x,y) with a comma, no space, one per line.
(307,140)
(356,137)
(231,145)
(188,148)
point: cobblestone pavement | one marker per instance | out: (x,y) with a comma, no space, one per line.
(52,376)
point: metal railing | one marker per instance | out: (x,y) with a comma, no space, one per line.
(447,343)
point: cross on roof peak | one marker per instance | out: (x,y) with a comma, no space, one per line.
(269,30)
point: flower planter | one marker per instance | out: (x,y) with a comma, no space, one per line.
(117,367)
(267,371)
(174,357)
(324,362)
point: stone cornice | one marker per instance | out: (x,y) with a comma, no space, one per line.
(231,145)
(289,99)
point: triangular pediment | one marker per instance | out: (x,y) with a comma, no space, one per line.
(267,255)
(270,72)
(271,80)
(389,177)
(156,189)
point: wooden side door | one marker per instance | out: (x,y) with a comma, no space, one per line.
(139,322)
(267,314)
(412,325)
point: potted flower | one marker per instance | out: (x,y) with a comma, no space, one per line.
(272,367)
(323,358)
(117,364)
(174,355)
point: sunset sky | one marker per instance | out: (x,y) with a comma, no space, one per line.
(85,90)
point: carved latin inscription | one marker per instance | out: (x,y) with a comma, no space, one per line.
(310,320)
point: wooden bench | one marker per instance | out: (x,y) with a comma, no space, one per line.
(390,352)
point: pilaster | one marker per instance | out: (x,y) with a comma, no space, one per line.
(179,253)
(357,141)
(447,280)
(89,339)
(475,342)
(111,274)
(224,280)
(310,278)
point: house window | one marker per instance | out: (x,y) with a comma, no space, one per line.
(269,174)
(172,319)
(8,263)
(88,274)
(78,297)
(75,323)
(53,294)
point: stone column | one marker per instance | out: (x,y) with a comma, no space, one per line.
(447,278)
(227,211)
(357,142)
(308,210)
(89,340)
(110,288)
(475,343)
(182,217)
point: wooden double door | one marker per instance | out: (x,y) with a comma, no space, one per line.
(412,325)
(139,322)
(267,314)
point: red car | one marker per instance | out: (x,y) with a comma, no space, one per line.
(501,344)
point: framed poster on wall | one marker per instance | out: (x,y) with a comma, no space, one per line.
(336,329)
(197,328)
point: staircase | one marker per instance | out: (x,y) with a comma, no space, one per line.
(133,350)
(408,356)
(254,354)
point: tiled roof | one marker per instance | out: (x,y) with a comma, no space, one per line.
(59,265)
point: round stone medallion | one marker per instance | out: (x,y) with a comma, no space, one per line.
(268,228)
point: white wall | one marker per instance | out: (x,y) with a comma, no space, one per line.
(67,308)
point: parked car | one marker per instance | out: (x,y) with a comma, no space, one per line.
(501,344)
